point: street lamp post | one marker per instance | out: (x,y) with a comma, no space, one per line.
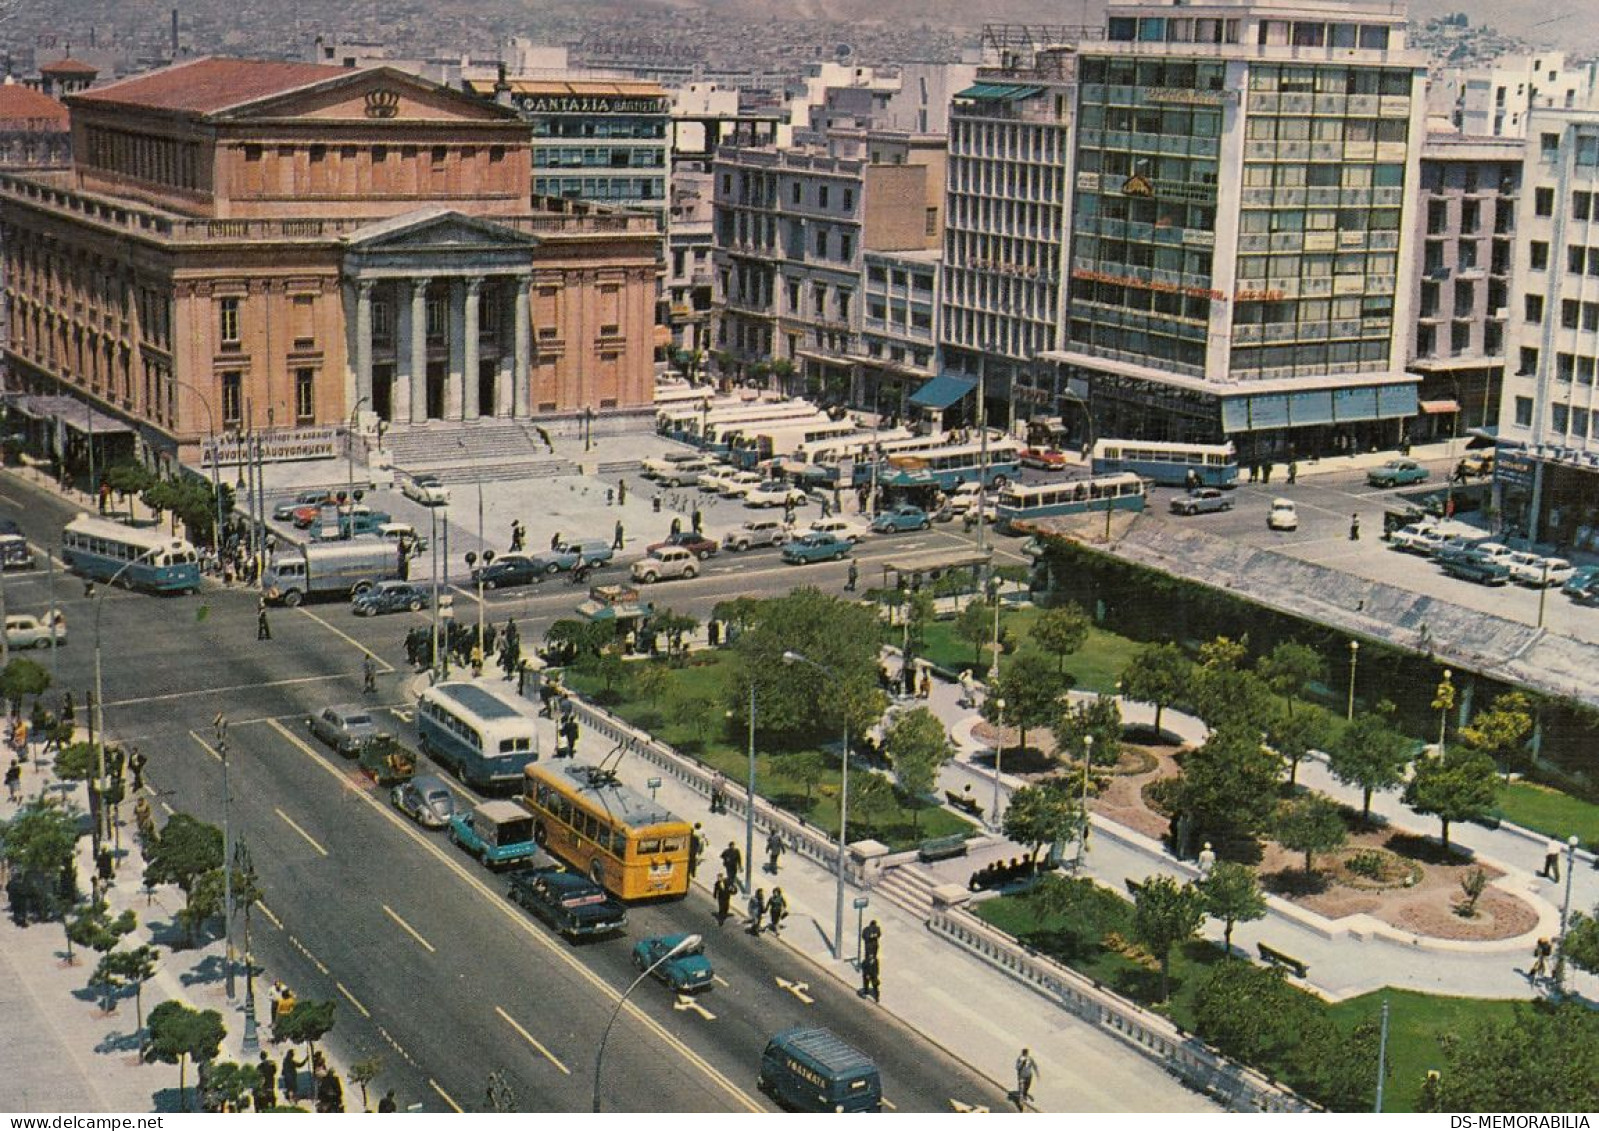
(216,458)
(471,561)
(687,942)
(1082,831)
(999,753)
(1354,659)
(1444,701)
(843,801)
(221,725)
(1565,917)
(749,807)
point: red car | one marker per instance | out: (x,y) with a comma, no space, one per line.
(1049,459)
(697,544)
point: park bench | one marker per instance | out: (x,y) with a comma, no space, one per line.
(1277,958)
(964,803)
(941,848)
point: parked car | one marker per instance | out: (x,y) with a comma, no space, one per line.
(508,570)
(1417,538)
(15,553)
(1202,500)
(319,498)
(1397,473)
(403,533)
(756,532)
(661,466)
(429,490)
(336,516)
(345,727)
(575,906)
(901,518)
(23,631)
(814,547)
(665,564)
(1457,545)
(681,473)
(1583,578)
(1471,566)
(1478,464)
(686,970)
(1283,515)
(391,597)
(590,551)
(848,529)
(498,833)
(426,800)
(740,483)
(1045,459)
(775,493)
(1538,572)
(711,478)
(697,544)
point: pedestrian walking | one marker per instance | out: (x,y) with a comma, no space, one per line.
(388,1102)
(722,891)
(555,540)
(621,492)
(136,764)
(757,910)
(369,675)
(1207,860)
(1551,861)
(732,861)
(852,577)
(1541,950)
(696,848)
(266,1082)
(1354,528)
(774,850)
(677,526)
(291,1077)
(718,798)
(1293,472)
(616,538)
(871,939)
(1026,1073)
(871,984)
(827,509)
(776,909)
(698,521)
(924,685)
(263,628)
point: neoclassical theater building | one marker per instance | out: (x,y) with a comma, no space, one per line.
(292,247)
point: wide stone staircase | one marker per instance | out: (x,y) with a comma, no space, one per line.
(910,886)
(480,451)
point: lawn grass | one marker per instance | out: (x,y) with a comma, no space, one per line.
(1095,667)
(705,733)
(1548,811)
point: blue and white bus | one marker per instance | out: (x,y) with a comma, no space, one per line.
(149,559)
(1170,465)
(481,733)
(757,443)
(1022,501)
(951,465)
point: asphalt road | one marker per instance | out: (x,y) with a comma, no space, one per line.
(435,971)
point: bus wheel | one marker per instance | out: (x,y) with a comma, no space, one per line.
(597,872)
(292,598)
(541,835)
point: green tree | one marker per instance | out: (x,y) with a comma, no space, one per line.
(307,1023)
(584,638)
(78,761)
(1158,674)
(1229,697)
(179,1034)
(1339,1067)
(676,628)
(1099,718)
(1060,632)
(38,845)
(840,636)
(651,680)
(1166,913)
(1295,736)
(1460,788)
(692,712)
(917,746)
(1311,824)
(1289,668)
(186,849)
(871,800)
(1582,941)
(738,613)
(606,665)
(128,479)
(22,678)
(1543,1058)
(810,768)
(1232,894)
(228,1083)
(363,1072)
(1030,689)
(130,968)
(975,625)
(1042,815)
(1502,730)
(1228,787)
(205,903)
(1251,1013)
(1224,653)
(1370,754)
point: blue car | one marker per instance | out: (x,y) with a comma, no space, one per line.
(686,970)
(902,518)
(566,556)
(815,547)
(391,597)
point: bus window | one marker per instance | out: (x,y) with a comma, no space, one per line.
(672,844)
(649,847)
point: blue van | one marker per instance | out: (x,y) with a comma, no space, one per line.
(816,1070)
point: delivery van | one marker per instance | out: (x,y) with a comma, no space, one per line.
(808,1069)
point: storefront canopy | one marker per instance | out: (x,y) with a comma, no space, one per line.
(942,391)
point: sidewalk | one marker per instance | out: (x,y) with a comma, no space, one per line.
(60,1050)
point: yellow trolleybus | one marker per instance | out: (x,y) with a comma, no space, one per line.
(625,842)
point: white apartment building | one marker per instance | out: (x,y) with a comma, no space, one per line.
(1547,474)
(1495,101)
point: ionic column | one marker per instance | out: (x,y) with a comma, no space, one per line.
(469,355)
(363,342)
(454,381)
(521,371)
(419,350)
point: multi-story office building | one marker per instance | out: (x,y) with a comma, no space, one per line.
(899,328)
(283,245)
(1494,101)
(1470,195)
(1547,474)
(1007,203)
(1243,176)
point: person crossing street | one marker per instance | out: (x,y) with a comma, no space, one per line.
(369,675)
(732,861)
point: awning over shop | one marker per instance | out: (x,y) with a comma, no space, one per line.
(75,414)
(1438,408)
(1264,412)
(993,91)
(942,391)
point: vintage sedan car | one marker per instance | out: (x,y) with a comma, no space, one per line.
(426,800)
(565,556)
(346,727)
(1484,569)
(666,564)
(739,484)
(1283,515)
(391,597)
(23,631)
(575,906)
(815,547)
(15,553)
(685,971)
(775,493)
(1397,473)
(697,544)
(1538,572)
(1202,500)
(1417,538)
(1045,459)
(755,532)
(429,490)
(846,528)
(506,571)
(901,518)
(284,511)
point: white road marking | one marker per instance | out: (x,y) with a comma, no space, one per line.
(797,989)
(309,839)
(206,746)
(408,929)
(687,1003)
(445,1095)
(532,1040)
(352,999)
(385,666)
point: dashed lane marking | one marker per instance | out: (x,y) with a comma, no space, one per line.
(309,839)
(532,1040)
(408,929)
(383,664)
(445,1096)
(313,959)
(267,911)
(351,998)
(206,746)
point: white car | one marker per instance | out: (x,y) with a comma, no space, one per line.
(429,490)
(34,632)
(1283,515)
(740,483)
(1417,538)
(665,563)
(712,477)
(845,528)
(1538,572)
(775,493)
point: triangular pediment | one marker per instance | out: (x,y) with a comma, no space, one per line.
(377,95)
(437,229)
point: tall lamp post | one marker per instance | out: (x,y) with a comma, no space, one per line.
(216,457)
(100,783)
(1565,917)
(843,801)
(1354,658)
(749,807)
(221,725)
(999,754)
(687,942)
(477,575)
(1082,831)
